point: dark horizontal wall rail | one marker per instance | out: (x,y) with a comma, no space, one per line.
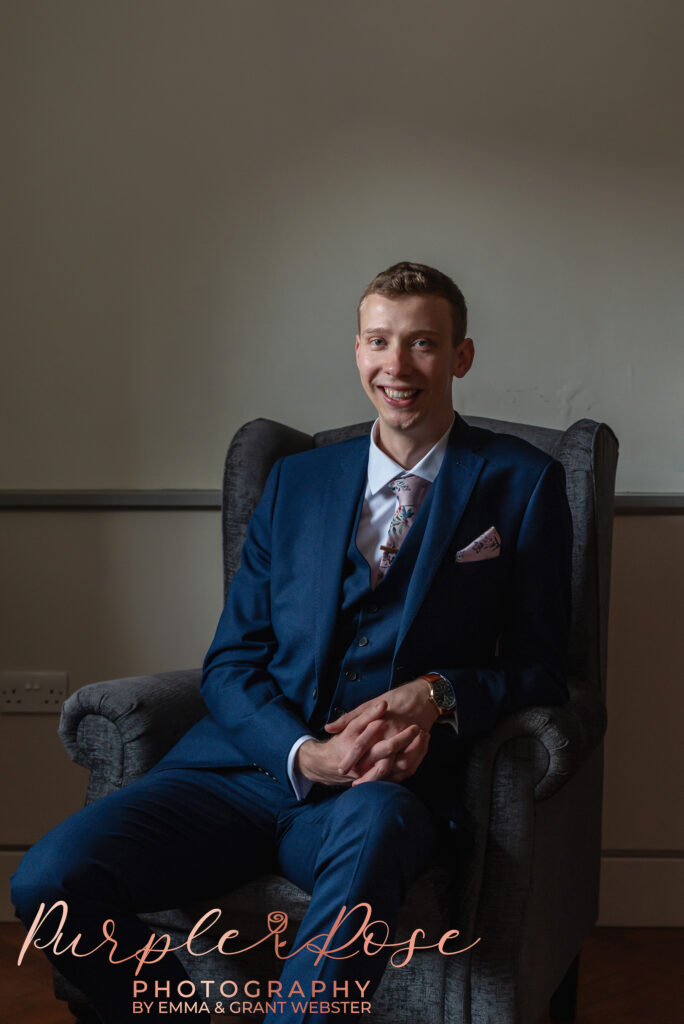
(625,504)
(649,504)
(93,500)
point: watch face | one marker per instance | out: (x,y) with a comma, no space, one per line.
(443,695)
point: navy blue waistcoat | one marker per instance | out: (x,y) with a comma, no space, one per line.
(368,623)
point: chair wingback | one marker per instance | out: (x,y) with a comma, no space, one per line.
(588,451)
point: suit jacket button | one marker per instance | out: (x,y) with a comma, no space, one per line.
(351,675)
(372,607)
(363,641)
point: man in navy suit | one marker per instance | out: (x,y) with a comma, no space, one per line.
(398,595)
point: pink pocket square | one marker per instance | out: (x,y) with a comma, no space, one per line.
(487,545)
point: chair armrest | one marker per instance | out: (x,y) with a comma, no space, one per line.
(528,758)
(121,728)
(567,733)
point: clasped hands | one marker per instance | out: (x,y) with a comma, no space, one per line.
(383,739)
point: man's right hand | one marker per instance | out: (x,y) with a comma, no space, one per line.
(333,761)
(399,765)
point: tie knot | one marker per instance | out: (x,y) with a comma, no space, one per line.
(408,489)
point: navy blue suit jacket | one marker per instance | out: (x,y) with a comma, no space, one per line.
(497,629)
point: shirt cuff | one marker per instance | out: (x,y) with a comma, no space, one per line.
(300,784)
(451,720)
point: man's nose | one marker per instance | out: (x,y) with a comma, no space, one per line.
(398,361)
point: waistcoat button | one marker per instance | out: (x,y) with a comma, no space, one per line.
(351,675)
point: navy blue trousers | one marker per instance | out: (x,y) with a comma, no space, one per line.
(181,835)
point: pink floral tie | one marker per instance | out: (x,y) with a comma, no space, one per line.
(409,491)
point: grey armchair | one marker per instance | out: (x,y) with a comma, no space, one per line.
(529,890)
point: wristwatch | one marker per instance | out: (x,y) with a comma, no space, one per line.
(441,692)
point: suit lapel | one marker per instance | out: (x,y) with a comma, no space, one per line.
(345,479)
(451,492)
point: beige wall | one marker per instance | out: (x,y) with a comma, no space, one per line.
(192,198)
(197,194)
(642,879)
(106,594)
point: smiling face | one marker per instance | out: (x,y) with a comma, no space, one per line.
(407,359)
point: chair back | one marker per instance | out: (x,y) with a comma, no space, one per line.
(588,451)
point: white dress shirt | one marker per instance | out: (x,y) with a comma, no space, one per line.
(379,506)
(380,503)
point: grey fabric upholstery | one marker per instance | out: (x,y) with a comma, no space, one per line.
(119,729)
(530,890)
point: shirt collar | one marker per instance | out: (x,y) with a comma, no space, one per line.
(382,469)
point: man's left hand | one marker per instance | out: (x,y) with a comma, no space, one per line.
(407,705)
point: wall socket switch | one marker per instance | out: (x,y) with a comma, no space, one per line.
(32,692)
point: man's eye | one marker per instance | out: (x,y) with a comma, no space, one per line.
(422,342)
(376,342)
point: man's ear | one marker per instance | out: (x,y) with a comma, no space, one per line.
(464,353)
(356,348)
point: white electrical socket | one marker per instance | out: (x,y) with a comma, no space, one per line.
(32,692)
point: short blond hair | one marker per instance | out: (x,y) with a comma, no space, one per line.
(418,279)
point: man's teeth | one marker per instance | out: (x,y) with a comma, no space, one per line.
(397,395)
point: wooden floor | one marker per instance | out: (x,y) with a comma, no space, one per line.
(627,976)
